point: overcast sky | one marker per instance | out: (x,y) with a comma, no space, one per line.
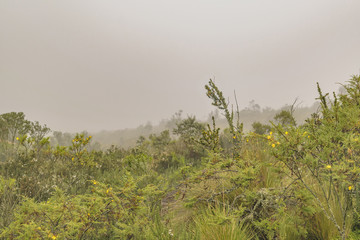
(94,65)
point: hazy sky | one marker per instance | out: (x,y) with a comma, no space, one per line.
(91,64)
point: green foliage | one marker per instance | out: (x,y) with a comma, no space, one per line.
(159,142)
(320,154)
(216,223)
(189,129)
(285,118)
(190,132)
(78,151)
(211,137)
(260,128)
(13,125)
(105,212)
(287,182)
(218,100)
(8,201)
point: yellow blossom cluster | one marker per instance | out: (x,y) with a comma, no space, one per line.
(81,139)
(273,143)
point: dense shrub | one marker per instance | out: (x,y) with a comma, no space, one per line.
(282,181)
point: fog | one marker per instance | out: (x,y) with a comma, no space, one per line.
(94,65)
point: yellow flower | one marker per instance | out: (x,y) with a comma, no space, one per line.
(17,138)
(73,159)
(52,236)
(268,137)
(273,145)
(107,190)
(328,166)
(94,182)
(39,228)
(278,143)
(286,133)
(234,137)
(350,187)
(247,140)
(90,136)
(270,133)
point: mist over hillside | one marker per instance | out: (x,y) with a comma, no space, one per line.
(128,137)
(186,120)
